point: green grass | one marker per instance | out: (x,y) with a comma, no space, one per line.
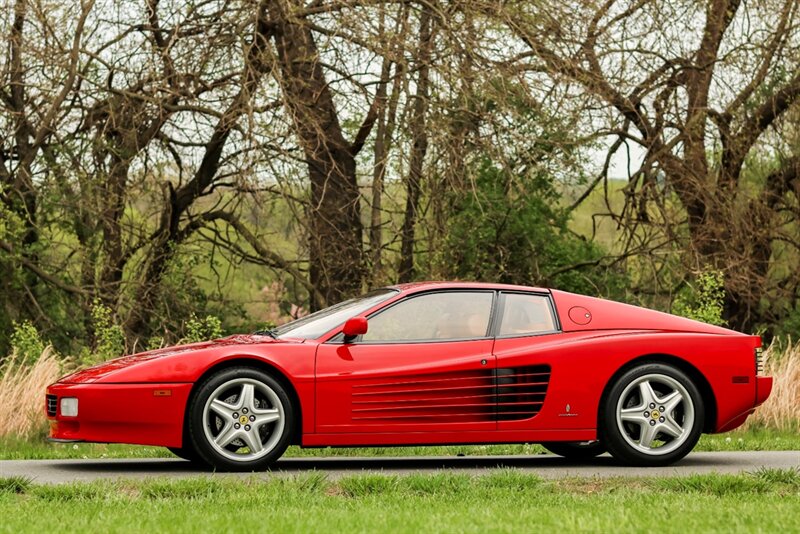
(500,501)
(38,449)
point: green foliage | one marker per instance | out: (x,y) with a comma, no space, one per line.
(513,229)
(202,329)
(789,327)
(703,301)
(183,298)
(109,336)
(26,342)
(155,342)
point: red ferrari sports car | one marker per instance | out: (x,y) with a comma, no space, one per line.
(429,363)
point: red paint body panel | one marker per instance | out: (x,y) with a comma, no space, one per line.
(123,413)
(389,439)
(187,364)
(609,315)
(430,387)
(583,363)
(763,389)
(493,390)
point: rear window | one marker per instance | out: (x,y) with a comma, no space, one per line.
(525,314)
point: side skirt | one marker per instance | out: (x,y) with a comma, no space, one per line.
(389,439)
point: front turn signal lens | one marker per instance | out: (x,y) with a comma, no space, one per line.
(69,407)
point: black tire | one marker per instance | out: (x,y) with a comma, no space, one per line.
(206,426)
(187,453)
(626,434)
(576,450)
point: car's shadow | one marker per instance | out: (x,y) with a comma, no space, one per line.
(394,464)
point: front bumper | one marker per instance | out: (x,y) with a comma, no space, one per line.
(141,414)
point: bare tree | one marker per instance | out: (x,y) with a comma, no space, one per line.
(700,87)
(419,147)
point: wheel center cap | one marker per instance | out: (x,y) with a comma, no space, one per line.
(655,414)
(243,419)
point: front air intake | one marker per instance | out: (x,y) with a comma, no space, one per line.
(52,403)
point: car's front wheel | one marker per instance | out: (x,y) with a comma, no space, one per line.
(241,419)
(652,416)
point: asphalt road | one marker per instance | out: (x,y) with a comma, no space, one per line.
(62,471)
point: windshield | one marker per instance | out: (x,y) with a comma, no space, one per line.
(314,325)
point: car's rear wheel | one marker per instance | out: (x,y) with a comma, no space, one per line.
(576,450)
(241,419)
(652,416)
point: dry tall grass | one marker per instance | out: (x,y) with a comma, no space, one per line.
(781,411)
(22,388)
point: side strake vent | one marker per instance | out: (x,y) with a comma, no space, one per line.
(459,397)
(521,391)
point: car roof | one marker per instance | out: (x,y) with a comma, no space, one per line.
(414,287)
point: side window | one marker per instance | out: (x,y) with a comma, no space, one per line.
(526,314)
(435,316)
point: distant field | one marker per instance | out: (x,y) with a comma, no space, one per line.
(501,501)
(16,449)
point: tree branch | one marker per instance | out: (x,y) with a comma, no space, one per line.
(47,277)
(268,256)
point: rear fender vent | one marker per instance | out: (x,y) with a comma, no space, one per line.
(521,391)
(759,353)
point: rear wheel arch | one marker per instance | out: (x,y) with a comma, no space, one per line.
(261,365)
(707,394)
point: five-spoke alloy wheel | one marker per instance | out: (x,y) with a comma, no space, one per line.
(652,416)
(241,419)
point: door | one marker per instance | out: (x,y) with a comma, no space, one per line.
(526,343)
(425,365)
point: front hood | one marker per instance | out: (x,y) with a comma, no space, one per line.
(103,370)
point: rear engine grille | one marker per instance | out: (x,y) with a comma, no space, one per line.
(52,403)
(460,397)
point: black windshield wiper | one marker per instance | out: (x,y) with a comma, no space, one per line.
(265,332)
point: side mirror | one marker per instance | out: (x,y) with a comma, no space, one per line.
(353,327)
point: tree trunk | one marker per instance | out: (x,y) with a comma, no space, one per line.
(335,229)
(169,233)
(419,135)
